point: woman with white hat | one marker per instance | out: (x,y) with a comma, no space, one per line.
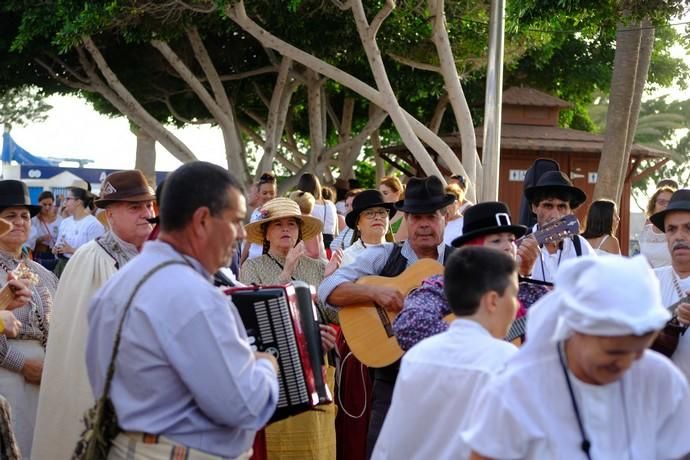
(281,230)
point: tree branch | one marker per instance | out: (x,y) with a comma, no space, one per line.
(414,64)
(381,16)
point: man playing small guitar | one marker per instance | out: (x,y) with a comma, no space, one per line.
(423,206)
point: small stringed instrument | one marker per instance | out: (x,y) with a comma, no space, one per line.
(368,328)
(22,272)
(667,340)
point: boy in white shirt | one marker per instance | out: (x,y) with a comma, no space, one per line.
(441,376)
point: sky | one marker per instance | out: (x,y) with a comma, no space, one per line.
(75,130)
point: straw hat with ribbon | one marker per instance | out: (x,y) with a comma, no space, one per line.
(279,208)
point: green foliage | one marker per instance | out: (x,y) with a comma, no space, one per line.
(22,105)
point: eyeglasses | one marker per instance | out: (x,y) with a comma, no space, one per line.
(372,213)
(67,198)
(662,201)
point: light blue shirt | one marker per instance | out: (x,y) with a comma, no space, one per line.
(185,369)
(370,262)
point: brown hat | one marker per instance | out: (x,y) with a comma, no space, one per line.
(128,185)
(276,209)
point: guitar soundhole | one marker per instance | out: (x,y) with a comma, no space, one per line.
(385,321)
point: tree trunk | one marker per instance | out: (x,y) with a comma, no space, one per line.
(456,97)
(127,104)
(146,154)
(612,166)
(237,13)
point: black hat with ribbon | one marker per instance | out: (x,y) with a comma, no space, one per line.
(14,194)
(367,199)
(487,218)
(680,201)
(560,185)
(424,195)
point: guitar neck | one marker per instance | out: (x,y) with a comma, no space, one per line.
(6,296)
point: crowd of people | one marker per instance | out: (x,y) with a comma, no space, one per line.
(489,339)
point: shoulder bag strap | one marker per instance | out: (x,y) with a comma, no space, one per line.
(578,245)
(118,334)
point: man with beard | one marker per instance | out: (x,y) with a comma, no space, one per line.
(186,382)
(425,200)
(127,201)
(674,221)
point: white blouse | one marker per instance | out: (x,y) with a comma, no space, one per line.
(654,247)
(79,232)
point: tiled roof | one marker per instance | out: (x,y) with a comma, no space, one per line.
(531,97)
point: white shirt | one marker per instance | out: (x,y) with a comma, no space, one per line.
(654,247)
(328,215)
(79,232)
(547,264)
(669,296)
(453,230)
(185,368)
(351,253)
(438,380)
(526,413)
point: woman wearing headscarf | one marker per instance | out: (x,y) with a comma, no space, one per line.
(281,230)
(21,357)
(585,385)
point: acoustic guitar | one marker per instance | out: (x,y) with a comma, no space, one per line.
(368,328)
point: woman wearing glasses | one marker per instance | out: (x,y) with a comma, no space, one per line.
(653,243)
(78,229)
(369,218)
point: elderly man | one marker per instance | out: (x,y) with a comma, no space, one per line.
(553,197)
(674,221)
(584,386)
(425,200)
(187,383)
(127,201)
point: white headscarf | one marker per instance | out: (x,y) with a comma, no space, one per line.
(603,296)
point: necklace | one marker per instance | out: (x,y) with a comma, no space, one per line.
(676,285)
(278,264)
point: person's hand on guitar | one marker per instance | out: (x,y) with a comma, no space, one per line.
(334,263)
(327,337)
(527,254)
(21,291)
(387,297)
(10,324)
(683,314)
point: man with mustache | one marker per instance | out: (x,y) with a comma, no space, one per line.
(127,200)
(425,200)
(674,221)
(552,198)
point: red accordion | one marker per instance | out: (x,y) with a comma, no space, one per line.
(283,321)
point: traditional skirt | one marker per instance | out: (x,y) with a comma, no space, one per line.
(140,446)
(22,396)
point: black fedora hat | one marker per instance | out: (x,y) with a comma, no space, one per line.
(680,201)
(15,193)
(558,183)
(367,199)
(485,219)
(424,195)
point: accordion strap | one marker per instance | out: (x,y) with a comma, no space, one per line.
(118,334)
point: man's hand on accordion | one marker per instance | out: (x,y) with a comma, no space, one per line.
(263,355)
(327,337)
